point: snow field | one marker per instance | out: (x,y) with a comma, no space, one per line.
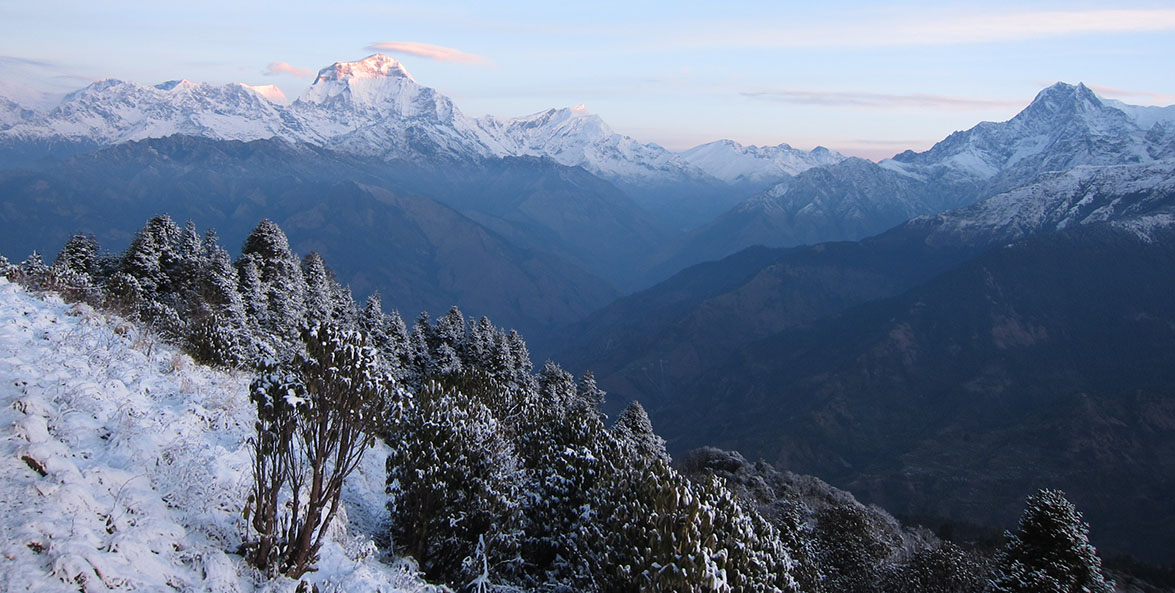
(126,466)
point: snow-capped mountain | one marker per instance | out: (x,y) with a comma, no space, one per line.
(371,107)
(578,138)
(1065,126)
(1138,197)
(374,107)
(113,111)
(734,163)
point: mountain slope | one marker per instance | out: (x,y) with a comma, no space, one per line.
(1046,363)
(653,344)
(126,466)
(737,164)
(417,252)
(1064,127)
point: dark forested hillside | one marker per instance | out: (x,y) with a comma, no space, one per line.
(1046,362)
(375,219)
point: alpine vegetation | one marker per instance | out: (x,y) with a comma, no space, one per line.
(497,475)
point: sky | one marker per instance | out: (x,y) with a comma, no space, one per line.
(865,78)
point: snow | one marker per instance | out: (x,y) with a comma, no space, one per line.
(270,91)
(1136,197)
(127,466)
(732,162)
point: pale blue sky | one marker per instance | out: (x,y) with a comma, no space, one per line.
(858,77)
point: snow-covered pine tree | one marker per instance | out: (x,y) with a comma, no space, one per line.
(372,321)
(219,331)
(1050,551)
(634,431)
(520,357)
(453,483)
(450,329)
(566,452)
(32,272)
(587,390)
(75,270)
(79,255)
(278,282)
(151,254)
(318,297)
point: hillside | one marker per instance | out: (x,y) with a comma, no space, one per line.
(127,465)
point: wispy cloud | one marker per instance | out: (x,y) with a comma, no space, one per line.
(869,100)
(1150,97)
(906,31)
(26,62)
(275,68)
(429,51)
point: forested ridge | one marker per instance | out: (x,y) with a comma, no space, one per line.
(504,476)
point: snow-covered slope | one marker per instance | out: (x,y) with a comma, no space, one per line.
(1065,126)
(733,163)
(126,466)
(578,138)
(372,107)
(112,111)
(1136,197)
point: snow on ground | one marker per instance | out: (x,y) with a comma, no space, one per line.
(126,466)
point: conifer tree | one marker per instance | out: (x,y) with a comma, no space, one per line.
(450,329)
(453,484)
(32,272)
(278,285)
(79,256)
(1050,551)
(151,255)
(219,330)
(318,297)
(634,431)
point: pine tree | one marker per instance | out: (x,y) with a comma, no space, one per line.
(565,451)
(74,271)
(453,484)
(319,297)
(79,256)
(634,431)
(278,284)
(1050,551)
(33,273)
(588,392)
(450,329)
(219,330)
(151,255)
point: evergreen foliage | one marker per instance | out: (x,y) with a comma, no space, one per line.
(453,483)
(1050,551)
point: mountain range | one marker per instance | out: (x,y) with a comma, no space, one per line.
(374,107)
(940,331)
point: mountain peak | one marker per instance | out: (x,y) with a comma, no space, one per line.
(269,91)
(1063,97)
(373,66)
